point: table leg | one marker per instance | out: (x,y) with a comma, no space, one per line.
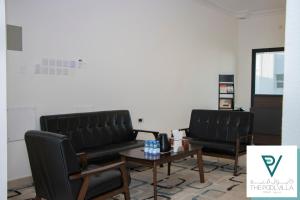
(169,168)
(124,173)
(200,165)
(155,180)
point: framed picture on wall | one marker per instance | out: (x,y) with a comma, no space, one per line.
(226,103)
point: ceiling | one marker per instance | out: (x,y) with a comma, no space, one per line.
(244,8)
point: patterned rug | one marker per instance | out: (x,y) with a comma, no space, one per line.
(183,184)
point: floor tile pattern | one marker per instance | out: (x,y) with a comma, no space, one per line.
(183,184)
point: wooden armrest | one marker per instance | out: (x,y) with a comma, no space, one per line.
(183,129)
(249,137)
(145,131)
(242,137)
(82,159)
(186,130)
(155,133)
(80,154)
(90,172)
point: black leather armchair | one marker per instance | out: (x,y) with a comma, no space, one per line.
(57,174)
(221,133)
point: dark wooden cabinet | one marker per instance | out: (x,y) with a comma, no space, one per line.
(267,122)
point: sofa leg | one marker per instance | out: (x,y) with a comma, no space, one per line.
(127,195)
(236,162)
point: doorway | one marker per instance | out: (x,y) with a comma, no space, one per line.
(266,95)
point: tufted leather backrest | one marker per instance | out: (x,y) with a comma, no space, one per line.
(220,126)
(92,129)
(52,159)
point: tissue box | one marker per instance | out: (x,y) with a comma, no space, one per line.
(177,145)
(178,135)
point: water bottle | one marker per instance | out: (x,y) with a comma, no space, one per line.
(147,155)
(146,147)
(154,147)
(157,147)
(151,147)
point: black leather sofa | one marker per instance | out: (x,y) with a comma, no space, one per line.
(221,133)
(96,136)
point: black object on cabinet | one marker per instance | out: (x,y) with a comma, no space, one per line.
(226,92)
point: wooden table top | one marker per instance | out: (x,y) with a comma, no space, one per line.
(138,153)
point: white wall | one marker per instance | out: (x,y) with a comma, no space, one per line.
(3,149)
(159,59)
(291,97)
(258,31)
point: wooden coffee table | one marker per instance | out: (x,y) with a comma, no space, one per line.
(137,155)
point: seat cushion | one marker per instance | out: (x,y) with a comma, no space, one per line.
(104,182)
(218,147)
(111,152)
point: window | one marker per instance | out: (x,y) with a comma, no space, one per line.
(269,73)
(279,80)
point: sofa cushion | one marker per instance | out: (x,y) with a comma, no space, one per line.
(104,182)
(93,129)
(218,147)
(111,152)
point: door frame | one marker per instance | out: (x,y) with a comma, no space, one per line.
(253,65)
